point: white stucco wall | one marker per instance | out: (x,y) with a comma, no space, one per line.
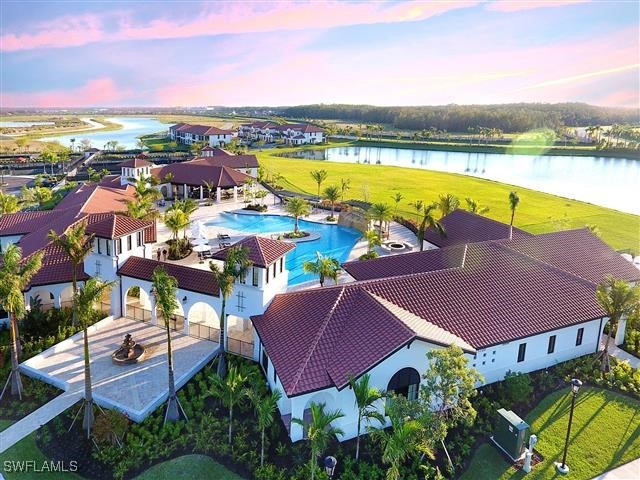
(7,240)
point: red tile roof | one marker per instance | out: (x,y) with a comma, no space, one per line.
(114,226)
(202,130)
(137,162)
(232,161)
(196,173)
(192,279)
(56,268)
(21,223)
(262,251)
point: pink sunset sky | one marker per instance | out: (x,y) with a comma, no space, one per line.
(80,54)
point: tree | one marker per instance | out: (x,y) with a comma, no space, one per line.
(319,176)
(196,148)
(8,203)
(418,205)
(176,220)
(324,267)
(332,193)
(320,431)
(230,390)
(397,198)
(211,187)
(373,241)
(298,207)
(398,442)
(619,300)
(76,244)
(366,399)
(474,207)
(514,200)
(235,266)
(265,407)
(187,206)
(85,144)
(84,303)
(344,187)
(165,290)
(380,212)
(447,204)
(429,221)
(16,273)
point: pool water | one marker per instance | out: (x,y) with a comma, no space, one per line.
(335,240)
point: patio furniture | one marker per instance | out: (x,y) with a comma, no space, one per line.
(224,245)
(223,236)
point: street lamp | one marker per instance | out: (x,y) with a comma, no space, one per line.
(330,465)
(575,387)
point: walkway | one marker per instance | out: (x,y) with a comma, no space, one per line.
(620,354)
(36,419)
(628,471)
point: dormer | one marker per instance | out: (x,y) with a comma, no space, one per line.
(208,151)
(131,170)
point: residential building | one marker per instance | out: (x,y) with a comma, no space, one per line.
(213,136)
(291,134)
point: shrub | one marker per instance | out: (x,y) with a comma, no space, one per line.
(517,388)
(256,207)
(368,256)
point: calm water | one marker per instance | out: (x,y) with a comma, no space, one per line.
(610,182)
(132,128)
(23,124)
(335,240)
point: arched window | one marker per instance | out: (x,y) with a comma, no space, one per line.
(405,382)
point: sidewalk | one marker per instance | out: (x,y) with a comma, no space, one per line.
(628,471)
(620,354)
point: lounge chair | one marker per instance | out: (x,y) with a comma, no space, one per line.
(223,236)
(224,245)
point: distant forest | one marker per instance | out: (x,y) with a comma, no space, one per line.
(514,117)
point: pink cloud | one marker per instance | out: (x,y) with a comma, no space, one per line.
(96,92)
(225,18)
(623,98)
(517,5)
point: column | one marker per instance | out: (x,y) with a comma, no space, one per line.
(185,193)
(154,315)
(235,193)
(218,195)
(201,193)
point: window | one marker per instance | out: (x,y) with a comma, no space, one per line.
(128,242)
(522,349)
(98,245)
(98,268)
(275,379)
(108,243)
(579,336)
(118,246)
(405,382)
(266,275)
(552,344)
(139,239)
(274,270)
(255,276)
(265,360)
(241,298)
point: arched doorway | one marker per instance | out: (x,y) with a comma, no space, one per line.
(42,299)
(66,296)
(204,322)
(137,304)
(176,321)
(405,382)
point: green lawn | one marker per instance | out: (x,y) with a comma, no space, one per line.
(604,435)
(538,212)
(188,467)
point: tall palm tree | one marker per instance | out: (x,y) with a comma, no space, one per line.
(8,203)
(324,267)
(320,431)
(447,204)
(230,390)
(145,190)
(429,221)
(84,304)
(236,265)
(16,274)
(76,244)
(187,206)
(380,212)
(397,198)
(319,176)
(619,300)
(265,407)
(165,290)
(332,193)
(298,207)
(418,205)
(398,443)
(514,200)
(366,398)
(344,187)
(474,207)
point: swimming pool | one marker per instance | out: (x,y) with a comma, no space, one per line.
(335,240)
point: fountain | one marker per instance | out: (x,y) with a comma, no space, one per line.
(396,246)
(129,352)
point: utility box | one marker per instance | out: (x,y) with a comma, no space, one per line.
(511,434)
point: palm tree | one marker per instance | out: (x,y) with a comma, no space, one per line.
(324,267)
(447,204)
(186,206)
(211,187)
(373,240)
(230,390)
(319,176)
(8,203)
(145,190)
(514,200)
(397,198)
(298,207)
(236,265)
(84,304)
(265,407)
(332,193)
(474,207)
(380,212)
(175,220)
(76,244)
(418,205)
(165,290)
(619,300)
(16,274)
(366,399)
(398,443)
(320,431)
(429,221)
(344,187)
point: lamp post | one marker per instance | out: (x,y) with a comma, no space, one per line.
(575,387)
(330,465)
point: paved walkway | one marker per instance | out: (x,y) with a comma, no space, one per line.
(620,354)
(628,471)
(36,419)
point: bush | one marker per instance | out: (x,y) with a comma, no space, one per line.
(368,255)
(256,207)
(517,388)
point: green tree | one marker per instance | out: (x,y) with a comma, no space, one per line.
(619,300)
(397,198)
(187,206)
(236,265)
(366,398)
(196,148)
(165,288)
(320,431)
(16,273)
(418,205)
(474,207)
(324,267)
(332,193)
(514,200)
(345,184)
(8,203)
(319,176)
(517,387)
(373,241)
(398,443)
(265,407)
(76,244)
(429,221)
(297,207)
(382,213)
(230,390)
(447,204)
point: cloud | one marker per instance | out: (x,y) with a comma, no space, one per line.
(222,18)
(518,5)
(584,76)
(96,92)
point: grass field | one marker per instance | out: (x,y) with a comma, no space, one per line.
(605,434)
(538,212)
(188,467)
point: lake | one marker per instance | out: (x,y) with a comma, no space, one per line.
(23,124)
(610,182)
(127,136)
